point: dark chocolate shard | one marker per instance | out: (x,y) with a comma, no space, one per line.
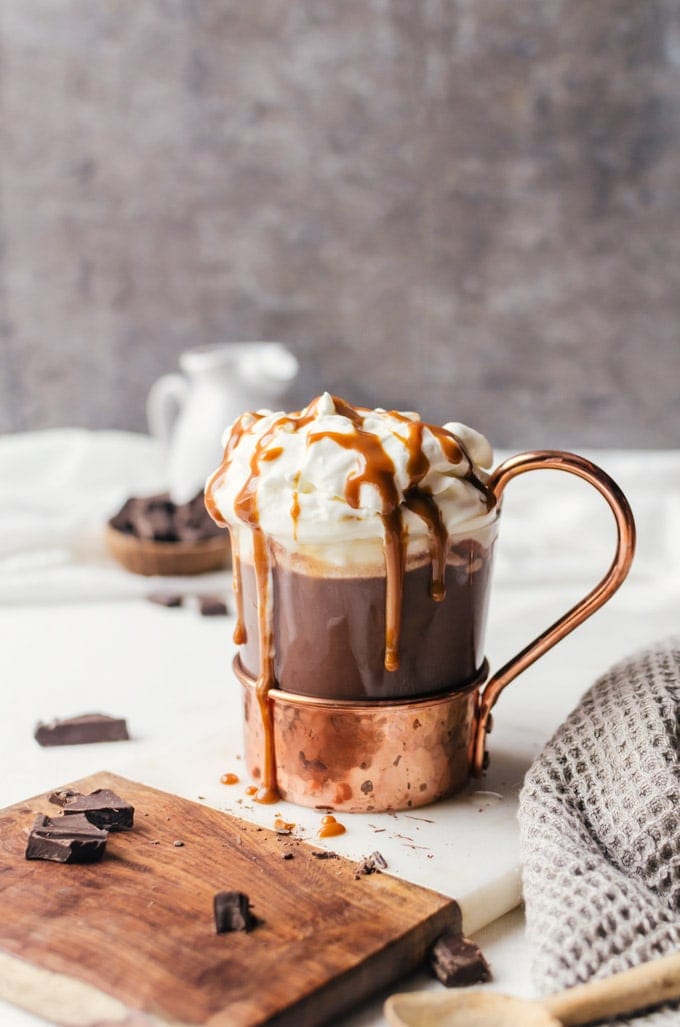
(372,864)
(90,727)
(103,808)
(212,606)
(457,962)
(232,912)
(66,840)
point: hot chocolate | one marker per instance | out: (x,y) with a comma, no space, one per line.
(361,545)
(330,630)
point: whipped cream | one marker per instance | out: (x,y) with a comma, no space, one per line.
(333,472)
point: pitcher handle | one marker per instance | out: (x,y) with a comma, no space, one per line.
(625,549)
(163,405)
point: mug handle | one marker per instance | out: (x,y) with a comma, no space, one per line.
(556,460)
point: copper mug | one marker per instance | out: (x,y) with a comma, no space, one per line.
(403,751)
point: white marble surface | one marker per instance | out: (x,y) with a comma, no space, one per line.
(168,671)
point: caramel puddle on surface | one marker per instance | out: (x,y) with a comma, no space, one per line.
(330,827)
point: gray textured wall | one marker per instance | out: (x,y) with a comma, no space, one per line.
(467,206)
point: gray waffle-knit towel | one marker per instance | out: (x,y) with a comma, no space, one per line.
(600,830)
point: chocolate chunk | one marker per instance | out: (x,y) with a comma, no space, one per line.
(193,522)
(232,912)
(212,606)
(155,519)
(90,727)
(166,598)
(103,808)
(371,865)
(457,962)
(66,840)
(158,518)
(63,796)
(125,519)
(325,854)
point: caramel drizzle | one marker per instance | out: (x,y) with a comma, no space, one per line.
(422,503)
(378,470)
(240,633)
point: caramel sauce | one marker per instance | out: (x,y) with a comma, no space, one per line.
(423,504)
(282,825)
(239,429)
(266,796)
(378,471)
(330,827)
(240,635)
(251,790)
(295,505)
(229,779)
(272,454)
(418,464)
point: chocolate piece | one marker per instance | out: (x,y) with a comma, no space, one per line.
(124,520)
(157,517)
(457,962)
(166,598)
(66,840)
(372,864)
(103,808)
(232,912)
(63,796)
(325,854)
(193,522)
(212,606)
(90,727)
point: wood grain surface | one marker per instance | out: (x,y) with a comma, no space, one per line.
(131,940)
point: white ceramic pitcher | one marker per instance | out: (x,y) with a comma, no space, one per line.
(189,412)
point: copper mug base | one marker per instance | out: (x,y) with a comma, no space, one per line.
(364,756)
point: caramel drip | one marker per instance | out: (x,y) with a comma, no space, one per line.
(378,470)
(422,503)
(240,634)
(269,791)
(295,505)
(240,428)
(229,779)
(394,585)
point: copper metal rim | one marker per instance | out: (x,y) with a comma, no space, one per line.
(364,756)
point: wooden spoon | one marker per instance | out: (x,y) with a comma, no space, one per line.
(646,985)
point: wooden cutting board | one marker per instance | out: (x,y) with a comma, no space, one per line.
(131,940)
